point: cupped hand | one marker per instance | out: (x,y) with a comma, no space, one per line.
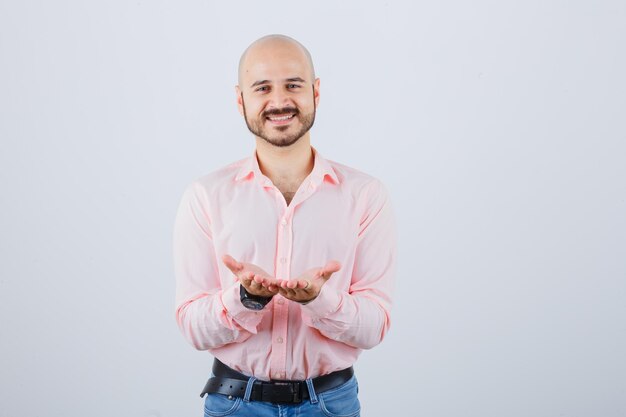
(303,289)
(245,273)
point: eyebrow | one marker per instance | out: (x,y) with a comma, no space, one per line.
(260,82)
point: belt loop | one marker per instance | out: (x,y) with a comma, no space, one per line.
(312,394)
(246,396)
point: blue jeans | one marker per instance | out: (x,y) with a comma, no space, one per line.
(341,401)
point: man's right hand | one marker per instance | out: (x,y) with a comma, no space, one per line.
(245,273)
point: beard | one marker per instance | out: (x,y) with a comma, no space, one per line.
(274,135)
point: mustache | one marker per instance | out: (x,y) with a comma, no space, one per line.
(274,112)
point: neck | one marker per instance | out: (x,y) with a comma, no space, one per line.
(285,164)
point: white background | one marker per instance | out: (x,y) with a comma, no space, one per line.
(498,127)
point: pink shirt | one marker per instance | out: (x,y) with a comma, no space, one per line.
(338,213)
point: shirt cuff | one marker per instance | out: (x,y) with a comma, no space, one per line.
(327,302)
(244,317)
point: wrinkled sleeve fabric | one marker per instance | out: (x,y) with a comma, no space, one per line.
(208,315)
(361,316)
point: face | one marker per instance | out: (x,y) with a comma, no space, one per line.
(277,95)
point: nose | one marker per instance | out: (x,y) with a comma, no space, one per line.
(278,99)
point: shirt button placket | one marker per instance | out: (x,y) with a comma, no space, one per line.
(281,308)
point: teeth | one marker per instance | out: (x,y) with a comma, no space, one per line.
(278,119)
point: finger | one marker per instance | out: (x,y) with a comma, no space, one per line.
(232,264)
(255,286)
(265,281)
(300,284)
(330,268)
(291,285)
(246,278)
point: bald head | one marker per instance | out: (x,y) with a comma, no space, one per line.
(270,47)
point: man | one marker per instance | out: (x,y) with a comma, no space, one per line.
(284,260)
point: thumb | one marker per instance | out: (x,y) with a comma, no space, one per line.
(232,264)
(330,268)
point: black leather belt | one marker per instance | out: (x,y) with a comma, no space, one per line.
(227,381)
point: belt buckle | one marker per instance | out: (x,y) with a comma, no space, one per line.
(283,392)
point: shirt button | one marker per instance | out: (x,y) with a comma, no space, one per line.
(279,340)
(278,375)
(283,260)
(281,301)
(283,222)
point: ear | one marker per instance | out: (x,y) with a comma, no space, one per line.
(316,91)
(239,100)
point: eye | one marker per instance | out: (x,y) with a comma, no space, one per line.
(262,88)
(293,86)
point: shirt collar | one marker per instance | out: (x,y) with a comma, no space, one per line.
(321,170)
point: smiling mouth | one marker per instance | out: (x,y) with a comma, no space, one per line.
(279,120)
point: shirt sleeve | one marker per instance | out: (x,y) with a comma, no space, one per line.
(208,315)
(361,316)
